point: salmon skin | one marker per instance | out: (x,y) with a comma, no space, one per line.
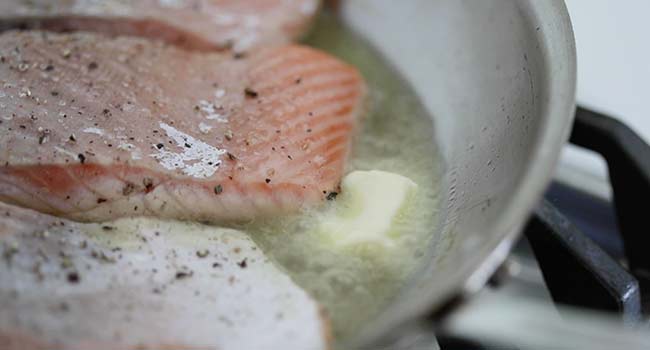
(195,24)
(95,128)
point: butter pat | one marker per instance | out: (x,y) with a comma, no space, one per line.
(368,207)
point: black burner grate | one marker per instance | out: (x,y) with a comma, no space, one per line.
(577,271)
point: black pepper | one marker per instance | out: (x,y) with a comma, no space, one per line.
(128,188)
(182,274)
(243,264)
(73,277)
(218,189)
(250,93)
(148,184)
(332,196)
(92,66)
(82,158)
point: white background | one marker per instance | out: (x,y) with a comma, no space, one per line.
(613,45)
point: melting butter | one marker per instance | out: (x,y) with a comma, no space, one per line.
(369,209)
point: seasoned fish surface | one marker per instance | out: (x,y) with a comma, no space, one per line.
(145,284)
(93,128)
(196,24)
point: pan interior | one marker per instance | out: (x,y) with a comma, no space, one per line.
(498,79)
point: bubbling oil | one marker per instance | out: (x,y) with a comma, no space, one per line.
(355,284)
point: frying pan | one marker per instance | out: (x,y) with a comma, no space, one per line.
(498,79)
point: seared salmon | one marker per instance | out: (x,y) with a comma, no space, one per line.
(145,284)
(95,128)
(196,24)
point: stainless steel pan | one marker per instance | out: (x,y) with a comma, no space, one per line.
(498,78)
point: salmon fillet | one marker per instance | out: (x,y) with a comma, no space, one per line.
(145,284)
(94,128)
(195,24)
